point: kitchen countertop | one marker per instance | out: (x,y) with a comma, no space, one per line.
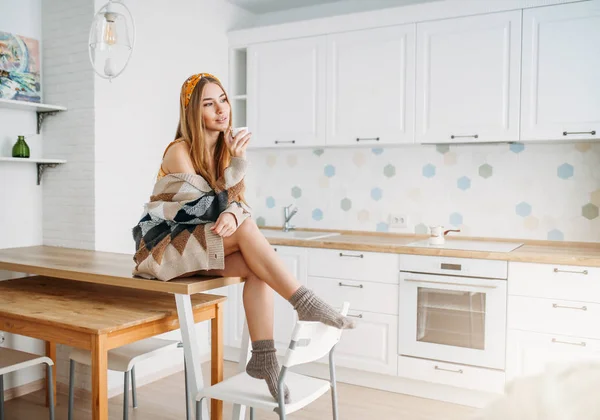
(550,252)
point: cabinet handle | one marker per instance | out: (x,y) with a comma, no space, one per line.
(556,305)
(566,133)
(584,272)
(446,266)
(581,343)
(285,141)
(475,136)
(351,256)
(367,138)
(449,370)
(360,286)
(356,316)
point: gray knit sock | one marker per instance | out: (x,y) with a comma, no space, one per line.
(264,365)
(310,307)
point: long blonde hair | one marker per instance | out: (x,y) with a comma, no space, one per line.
(192,130)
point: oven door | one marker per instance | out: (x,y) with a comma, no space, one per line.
(454,319)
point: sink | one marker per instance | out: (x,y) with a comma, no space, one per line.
(305,235)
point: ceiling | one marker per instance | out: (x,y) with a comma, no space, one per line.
(260,7)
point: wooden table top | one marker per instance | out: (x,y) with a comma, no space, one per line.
(87,307)
(99,267)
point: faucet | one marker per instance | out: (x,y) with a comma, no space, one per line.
(287,216)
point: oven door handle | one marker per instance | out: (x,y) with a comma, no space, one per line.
(451,283)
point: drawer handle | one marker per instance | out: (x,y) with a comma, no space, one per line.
(449,370)
(356,316)
(367,138)
(582,343)
(556,305)
(351,256)
(360,286)
(584,272)
(447,266)
(566,133)
(285,141)
(475,136)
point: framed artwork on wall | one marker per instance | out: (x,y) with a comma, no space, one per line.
(20,70)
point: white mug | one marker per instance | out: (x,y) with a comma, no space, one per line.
(236,130)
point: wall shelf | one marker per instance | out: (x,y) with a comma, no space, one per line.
(42,110)
(41,164)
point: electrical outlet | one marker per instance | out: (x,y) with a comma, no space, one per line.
(398,220)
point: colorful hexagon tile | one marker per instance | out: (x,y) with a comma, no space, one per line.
(318,152)
(485,171)
(450,159)
(523,209)
(517,147)
(292,160)
(456,219)
(260,221)
(271,160)
(429,170)
(382,227)
(389,170)
(323,181)
(589,211)
(296,192)
(556,235)
(564,171)
(270,202)
(329,171)
(442,148)
(363,216)
(359,159)
(346,204)
(583,147)
(464,183)
(531,222)
(376,194)
(377,150)
(317,214)
(595,198)
(421,229)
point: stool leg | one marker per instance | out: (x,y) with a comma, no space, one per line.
(187,393)
(71,388)
(133,391)
(1,397)
(126,396)
(251,413)
(50,391)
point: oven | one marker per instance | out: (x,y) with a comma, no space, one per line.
(453,310)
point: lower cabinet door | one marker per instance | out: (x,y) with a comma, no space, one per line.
(529,353)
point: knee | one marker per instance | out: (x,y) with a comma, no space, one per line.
(248,227)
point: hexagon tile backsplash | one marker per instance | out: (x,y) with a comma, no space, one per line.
(529,191)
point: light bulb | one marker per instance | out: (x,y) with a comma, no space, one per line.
(110,29)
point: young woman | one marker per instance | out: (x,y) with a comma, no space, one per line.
(197,223)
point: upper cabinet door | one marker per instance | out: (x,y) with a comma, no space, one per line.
(286,93)
(370,86)
(561,58)
(468,79)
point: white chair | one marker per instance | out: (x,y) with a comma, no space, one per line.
(123,359)
(12,360)
(310,342)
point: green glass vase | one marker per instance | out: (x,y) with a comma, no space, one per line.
(20,149)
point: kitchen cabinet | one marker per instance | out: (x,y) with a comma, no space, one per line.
(286,93)
(467,77)
(560,81)
(370,86)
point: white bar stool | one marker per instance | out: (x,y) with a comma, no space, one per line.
(123,359)
(12,360)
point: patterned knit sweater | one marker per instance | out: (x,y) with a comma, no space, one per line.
(173,237)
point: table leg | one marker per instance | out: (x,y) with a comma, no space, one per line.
(191,349)
(51,353)
(99,378)
(216,360)
(239,411)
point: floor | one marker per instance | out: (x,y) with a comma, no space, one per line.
(165,400)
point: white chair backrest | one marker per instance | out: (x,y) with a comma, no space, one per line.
(312,340)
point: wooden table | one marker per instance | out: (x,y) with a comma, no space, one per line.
(90,327)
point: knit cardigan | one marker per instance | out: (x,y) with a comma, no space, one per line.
(173,237)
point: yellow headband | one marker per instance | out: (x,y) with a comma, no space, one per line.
(190,84)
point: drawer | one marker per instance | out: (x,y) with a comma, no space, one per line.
(353,265)
(554,316)
(553,281)
(454,266)
(363,296)
(461,376)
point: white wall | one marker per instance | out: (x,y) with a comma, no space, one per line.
(21,209)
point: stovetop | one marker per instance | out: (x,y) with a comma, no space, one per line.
(484,246)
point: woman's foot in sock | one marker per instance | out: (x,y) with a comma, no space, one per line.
(310,307)
(264,365)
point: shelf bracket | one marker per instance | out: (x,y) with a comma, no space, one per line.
(41,168)
(41,115)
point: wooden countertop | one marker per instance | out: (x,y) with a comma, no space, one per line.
(549,252)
